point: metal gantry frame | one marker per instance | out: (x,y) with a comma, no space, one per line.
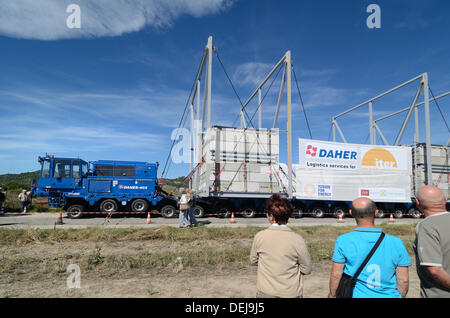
(197,138)
(374,128)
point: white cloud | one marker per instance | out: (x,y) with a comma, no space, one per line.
(46,19)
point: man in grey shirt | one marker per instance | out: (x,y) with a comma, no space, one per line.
(432,243)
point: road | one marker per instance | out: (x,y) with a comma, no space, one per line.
(49,221)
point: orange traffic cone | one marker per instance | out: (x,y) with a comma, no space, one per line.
(232,218)
(340,219)
(24,210)
(391,219)
(60,220)
(148,218)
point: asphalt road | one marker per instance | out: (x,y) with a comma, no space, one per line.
(50,220)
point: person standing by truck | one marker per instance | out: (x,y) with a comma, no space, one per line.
(22,197)
(183,220)
(2,200)
(191,201)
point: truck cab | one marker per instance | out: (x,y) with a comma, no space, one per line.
(61,173)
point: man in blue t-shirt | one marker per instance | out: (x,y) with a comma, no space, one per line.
(386,273)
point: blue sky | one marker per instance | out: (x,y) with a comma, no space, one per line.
(116,87)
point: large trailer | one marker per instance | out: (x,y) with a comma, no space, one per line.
(236,169)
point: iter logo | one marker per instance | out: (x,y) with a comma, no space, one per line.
(379,158)
(310,150)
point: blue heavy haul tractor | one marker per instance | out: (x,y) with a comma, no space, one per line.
(102,186)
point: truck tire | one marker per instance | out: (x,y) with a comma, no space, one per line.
(198,211)
(75,211)
(108,206)
(168,211)
(318,212)
(248,213)
(139,205)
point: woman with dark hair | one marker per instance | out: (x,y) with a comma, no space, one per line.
(280,254)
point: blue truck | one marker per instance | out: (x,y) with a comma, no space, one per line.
(102,186)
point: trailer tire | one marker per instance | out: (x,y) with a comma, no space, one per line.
(168,211)
(381,213)
(223,213)
(139,205)
(318,212)
(108,206)
(298,212)
(198,211)
(415,213)
(75,211)
(248,213)
(339,210)
(398,213)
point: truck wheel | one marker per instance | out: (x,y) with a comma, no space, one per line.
(248,213)
(198,212)
(108,206)
(139,205)
(168,211)
(318,212)
(75,211)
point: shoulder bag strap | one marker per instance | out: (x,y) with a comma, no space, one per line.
(374,248)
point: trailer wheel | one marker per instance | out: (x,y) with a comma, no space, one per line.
(381,213)
(318,212)
(223,213)
(108,206)
(168,211)
(415,213)
(248,213)
(398,213)
(198,212)
(298,212)
(75,211)
(139,205)
(338,210)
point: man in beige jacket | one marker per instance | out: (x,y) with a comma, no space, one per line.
(280,254)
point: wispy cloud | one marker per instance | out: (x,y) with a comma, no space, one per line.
(251,73)
(46,19)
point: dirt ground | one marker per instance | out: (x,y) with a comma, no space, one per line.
(39,270)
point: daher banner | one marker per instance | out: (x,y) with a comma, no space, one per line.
(342,171)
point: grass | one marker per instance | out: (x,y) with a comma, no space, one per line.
(165,248)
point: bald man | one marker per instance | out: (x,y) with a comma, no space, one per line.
(432,244)
(386,273)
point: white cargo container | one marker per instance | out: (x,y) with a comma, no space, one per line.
(238,161)
(440,167)
(342,172)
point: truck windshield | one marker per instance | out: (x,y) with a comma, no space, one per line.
(61,168)
(45,169)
